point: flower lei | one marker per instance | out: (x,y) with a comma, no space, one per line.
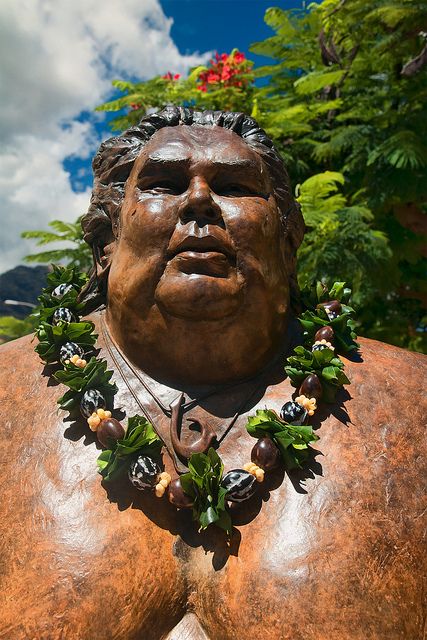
(315,369)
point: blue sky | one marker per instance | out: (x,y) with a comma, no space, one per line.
(199,25)
(57,60)
(219,24)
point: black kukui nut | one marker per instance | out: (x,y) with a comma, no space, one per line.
(319,347)
(68,350)
(265,454)
(109,430)
(62,314)
(325,333)
(91,401)
(240,485)
(177,497)
(60,291)
(293,413)
(311,387)
(144,473)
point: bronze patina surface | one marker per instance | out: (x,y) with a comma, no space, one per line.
(200,265)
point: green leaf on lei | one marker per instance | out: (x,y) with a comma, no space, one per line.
(49,304)
(140,439)
(325,364)
(52,337)
(95,375)
(292,440)
(315,317)
(203,484)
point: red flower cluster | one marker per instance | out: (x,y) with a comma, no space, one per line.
(172,77)
(225,70)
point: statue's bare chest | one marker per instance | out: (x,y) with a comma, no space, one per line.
(336,552)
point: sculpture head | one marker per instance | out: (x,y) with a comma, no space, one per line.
(194,230)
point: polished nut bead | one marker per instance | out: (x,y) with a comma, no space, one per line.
(110,430)
(325,333)
(311,387)
(177,497)
(91,401)
(265,454)
(333,308)
(239,484)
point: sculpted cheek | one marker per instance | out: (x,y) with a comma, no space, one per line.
(255,231)
(147,228)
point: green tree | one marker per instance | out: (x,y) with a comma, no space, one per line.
(77,253)
(12,328)
(347,92)
(226,83)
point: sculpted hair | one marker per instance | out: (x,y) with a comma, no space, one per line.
(114,161)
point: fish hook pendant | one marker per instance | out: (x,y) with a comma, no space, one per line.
(207,434)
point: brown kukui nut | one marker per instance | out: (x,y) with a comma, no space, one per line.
(325,333)
(332,306)
(177,497)
(265,454)
(109,429)
(311,387)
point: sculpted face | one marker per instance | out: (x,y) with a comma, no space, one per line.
(200,241)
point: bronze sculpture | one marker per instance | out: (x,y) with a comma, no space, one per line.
(194,233)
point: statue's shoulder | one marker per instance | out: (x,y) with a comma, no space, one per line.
(373,351)
(380,369)
(384,365)
(386,390)
(19,361)
(27,393)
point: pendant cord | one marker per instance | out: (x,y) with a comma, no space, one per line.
(114,359)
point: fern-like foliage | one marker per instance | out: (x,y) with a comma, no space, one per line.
(340,241)
(77,253)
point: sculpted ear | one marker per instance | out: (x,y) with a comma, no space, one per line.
(94,294)
(103,251)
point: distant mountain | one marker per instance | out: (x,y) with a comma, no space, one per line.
(23,284)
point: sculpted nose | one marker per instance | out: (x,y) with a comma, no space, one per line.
(199,204)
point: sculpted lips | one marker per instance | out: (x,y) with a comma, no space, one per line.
(202,244)
(204,253)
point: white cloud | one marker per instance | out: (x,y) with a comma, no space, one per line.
(57,59)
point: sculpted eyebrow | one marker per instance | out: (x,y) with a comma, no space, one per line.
(155,163)
(240,163)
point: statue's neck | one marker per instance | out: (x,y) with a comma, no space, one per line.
(198,355)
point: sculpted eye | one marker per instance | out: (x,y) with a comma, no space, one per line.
(235,190)
(162,187)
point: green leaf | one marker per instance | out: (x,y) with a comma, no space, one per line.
(203,485)
(317,80)
(104,459)
(93,376)
(336,291)
(140,439)
(291,440)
